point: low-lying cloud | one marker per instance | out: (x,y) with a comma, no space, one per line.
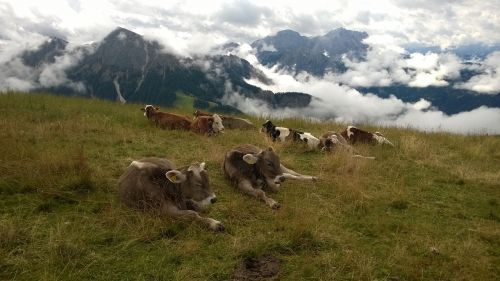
(488,81)
(16,76)
(387,66)
(342,103)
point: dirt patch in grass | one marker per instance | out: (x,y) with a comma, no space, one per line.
(264,267)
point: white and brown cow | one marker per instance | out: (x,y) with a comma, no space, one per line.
(155,184)
(282,134)
(354,135)
(333,141)
(207,125)
(254,171)
(165,119)
(229,122)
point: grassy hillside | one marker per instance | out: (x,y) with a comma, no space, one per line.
(427,209)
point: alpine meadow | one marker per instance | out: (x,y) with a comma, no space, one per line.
(426,209)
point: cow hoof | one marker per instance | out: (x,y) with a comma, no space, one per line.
(314,178)
(276,206)
(217,226)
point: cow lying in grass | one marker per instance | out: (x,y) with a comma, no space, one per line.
(229,122)
(254,171)
(354,135)
(282,134)
(155,184)
(332,141)
(166,120)
(207,125)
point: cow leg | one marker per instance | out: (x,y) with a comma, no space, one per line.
(291,174)
(191,215)
(247,188)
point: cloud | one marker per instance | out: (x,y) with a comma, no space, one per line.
(242,13)
(385,66)
(488,82)
(54,74)
(342,103)
(441,23)
(16,76)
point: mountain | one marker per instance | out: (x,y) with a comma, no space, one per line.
(446,99)
(127,68)
(315,55)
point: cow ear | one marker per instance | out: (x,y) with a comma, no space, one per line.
(202,165)
(270,149)
(157,108)
(175,176)
(142,109)
(250,159)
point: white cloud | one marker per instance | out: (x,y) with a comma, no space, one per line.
(345,104)
(441,23)
(16,76)
(386,65)
(488,82)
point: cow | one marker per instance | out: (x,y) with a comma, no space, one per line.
(354,135)
(275,133)
(332,141)
(166,120)
(229,122)
(254,171)
(207,125)
(282,134)
(156,184)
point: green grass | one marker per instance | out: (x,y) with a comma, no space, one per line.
(428,209)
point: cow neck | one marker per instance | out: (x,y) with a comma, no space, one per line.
(259,175)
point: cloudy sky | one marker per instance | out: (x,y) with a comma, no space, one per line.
(190,22)
(191,27)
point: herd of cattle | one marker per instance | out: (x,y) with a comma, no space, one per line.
(156,183)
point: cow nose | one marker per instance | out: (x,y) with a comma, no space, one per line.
(213,200)
(279,179)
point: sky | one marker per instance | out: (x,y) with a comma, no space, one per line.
(193,27)
(188,23)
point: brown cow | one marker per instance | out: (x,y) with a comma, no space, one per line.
(229,122)
(354,135)
(252,169)
(166,120)
(207,125)
(155,184)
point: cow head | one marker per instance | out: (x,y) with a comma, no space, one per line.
(267,127)
(194,183)
(149,110)
(330,143)
(217,124)
(267,162)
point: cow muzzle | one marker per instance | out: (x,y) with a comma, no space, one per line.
(279,179)
(207,201)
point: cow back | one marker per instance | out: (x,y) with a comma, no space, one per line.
(143,185)
(202,125)
(172,121)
